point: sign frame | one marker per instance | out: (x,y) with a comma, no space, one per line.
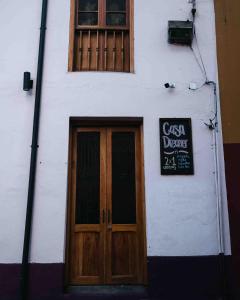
(169,163)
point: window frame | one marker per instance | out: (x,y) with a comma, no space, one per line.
(101,25)
(102,13)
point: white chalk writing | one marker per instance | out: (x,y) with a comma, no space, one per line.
(177,130)
(171,143)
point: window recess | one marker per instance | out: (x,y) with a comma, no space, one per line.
(101,36)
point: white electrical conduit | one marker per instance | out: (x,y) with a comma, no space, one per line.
(218,173)
(214,126)
(215,129)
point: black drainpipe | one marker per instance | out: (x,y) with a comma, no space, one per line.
(33,163)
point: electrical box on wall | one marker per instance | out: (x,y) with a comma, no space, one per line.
(180,32)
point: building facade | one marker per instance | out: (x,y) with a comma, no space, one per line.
(110,208)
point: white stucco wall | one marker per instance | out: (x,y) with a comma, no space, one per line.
(181,210)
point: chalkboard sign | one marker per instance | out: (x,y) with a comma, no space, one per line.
(176,146)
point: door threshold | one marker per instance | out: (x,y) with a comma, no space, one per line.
(110,290)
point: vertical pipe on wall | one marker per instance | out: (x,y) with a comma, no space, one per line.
(219,204)
(217,170)
(214,127)
(33,162)
(215,143)
(218,194)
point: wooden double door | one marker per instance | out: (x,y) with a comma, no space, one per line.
(107,215)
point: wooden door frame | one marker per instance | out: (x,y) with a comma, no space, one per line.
(105,122)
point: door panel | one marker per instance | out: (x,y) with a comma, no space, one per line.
(124,260)
(107,231)
(122,237)
(89,200)
(87,247)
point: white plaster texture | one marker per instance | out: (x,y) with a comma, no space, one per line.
(180,210)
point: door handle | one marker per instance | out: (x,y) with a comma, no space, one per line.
(109,220)
(103,216)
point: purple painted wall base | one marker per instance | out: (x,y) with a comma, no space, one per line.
(9,281)
(168,278)
(232,167)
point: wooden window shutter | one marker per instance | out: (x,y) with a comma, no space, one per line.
(101,35)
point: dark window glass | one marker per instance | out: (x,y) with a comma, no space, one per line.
(88,5)
(88,12)
(123,178)
(88,178)
(116,5)
(86,18)
(117,19)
